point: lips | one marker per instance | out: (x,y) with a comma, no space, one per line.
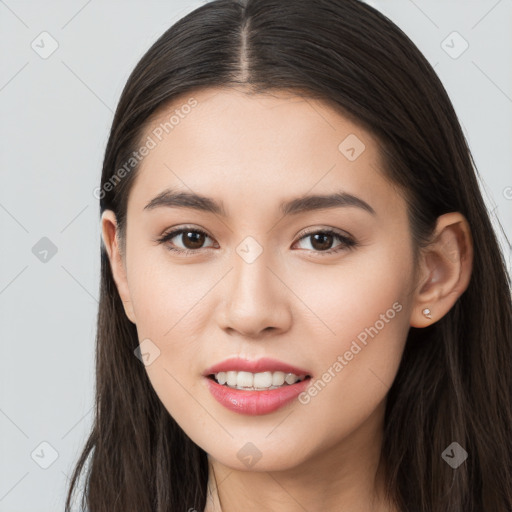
(255,402)
(260,365)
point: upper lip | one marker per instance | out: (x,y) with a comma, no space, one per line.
(264,364)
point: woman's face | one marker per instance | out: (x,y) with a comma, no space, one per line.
(320,285)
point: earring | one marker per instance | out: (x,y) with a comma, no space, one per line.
(427,313)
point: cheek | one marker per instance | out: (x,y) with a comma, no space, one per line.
(364,308)
(165,294)
(366,288)
(169,305)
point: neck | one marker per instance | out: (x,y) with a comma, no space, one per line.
(346,477)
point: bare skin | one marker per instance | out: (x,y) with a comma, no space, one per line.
(296,302)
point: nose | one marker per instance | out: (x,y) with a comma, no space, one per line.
(257,300)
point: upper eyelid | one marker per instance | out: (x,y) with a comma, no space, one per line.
(337,231)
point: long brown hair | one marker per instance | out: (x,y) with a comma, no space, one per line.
(454,383)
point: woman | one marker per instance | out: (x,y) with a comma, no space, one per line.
(303,303)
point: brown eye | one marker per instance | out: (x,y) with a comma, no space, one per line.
(185,240)
(193,239)
(322,241)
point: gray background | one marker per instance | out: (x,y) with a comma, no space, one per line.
(55,115)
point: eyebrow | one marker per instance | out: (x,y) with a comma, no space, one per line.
(173,199)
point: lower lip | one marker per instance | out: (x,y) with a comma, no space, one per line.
(254,403)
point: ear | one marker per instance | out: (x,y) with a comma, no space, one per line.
(445,269)
(117,261)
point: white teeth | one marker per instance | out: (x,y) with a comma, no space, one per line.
(278,378)
(231,378)
(257,381)
(244,380)
(290,378)
(262,380)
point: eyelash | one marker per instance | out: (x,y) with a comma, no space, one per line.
(347,243)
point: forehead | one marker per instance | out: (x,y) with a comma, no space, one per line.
(280,115)
(232,143)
